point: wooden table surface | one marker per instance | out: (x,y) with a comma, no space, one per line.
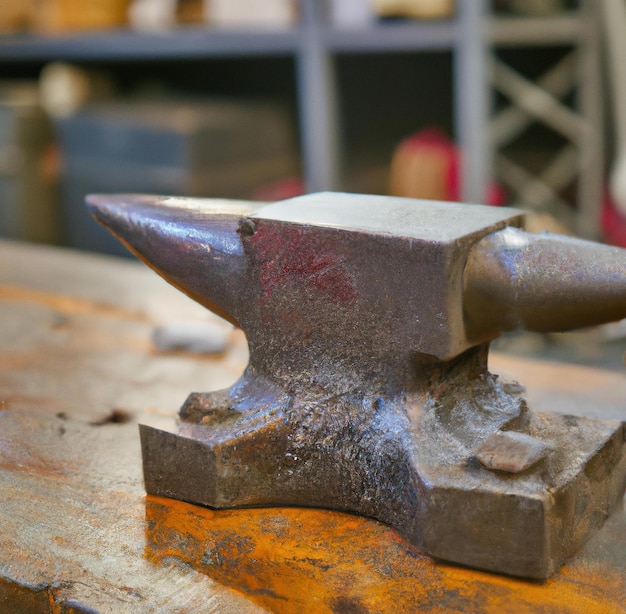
(78,371)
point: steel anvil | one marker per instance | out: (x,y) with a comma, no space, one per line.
(368,321)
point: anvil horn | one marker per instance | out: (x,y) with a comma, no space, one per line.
(192,243)
(542,282)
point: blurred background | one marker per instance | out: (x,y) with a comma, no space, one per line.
(505,102)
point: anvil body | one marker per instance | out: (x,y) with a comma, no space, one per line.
(367,388)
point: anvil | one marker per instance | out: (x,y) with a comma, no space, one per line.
(368,321)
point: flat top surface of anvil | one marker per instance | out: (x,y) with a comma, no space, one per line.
(402,217)
(76,527)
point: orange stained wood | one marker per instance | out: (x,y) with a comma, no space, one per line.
(293,560)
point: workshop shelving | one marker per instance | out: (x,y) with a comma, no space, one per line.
(315,45)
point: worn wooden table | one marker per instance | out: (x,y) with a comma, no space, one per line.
(78,371)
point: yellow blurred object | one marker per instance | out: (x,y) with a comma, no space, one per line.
(418,175)
(15,15)
(415,9)
(75,15)
(423,166)
(190,11)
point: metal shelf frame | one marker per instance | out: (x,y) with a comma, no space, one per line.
(315,43)
(183,43)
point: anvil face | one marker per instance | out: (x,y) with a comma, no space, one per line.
(367,390)
(403,218)
(361,286)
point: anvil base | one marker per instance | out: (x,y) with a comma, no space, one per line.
(387,461)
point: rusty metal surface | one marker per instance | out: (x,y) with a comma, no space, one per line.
(78,534)
(297,561)
(367,389)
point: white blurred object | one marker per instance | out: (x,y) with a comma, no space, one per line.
(614,16)
(152,15)
(351,13)
(63,89)
(262,13)
(195,337)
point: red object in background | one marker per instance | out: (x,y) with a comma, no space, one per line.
(427,165)
(613,223)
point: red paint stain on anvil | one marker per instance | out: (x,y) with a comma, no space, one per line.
(294,257)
